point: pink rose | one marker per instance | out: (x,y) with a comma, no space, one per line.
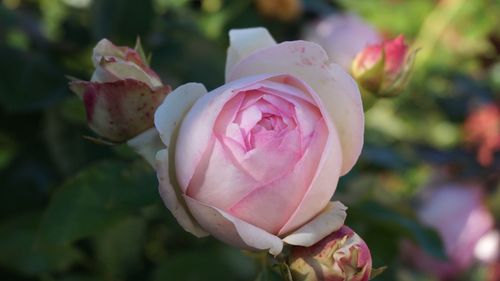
(460,217)
(341,256)
(343,36)
(123,93)
(256,161)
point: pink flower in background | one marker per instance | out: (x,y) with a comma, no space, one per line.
(482,129)
(341,256)
(459,215)
(343,36)
(256,161)
(123,94)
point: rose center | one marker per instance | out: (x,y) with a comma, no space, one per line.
(270,122)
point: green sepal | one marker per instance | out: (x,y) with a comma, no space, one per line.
(140,50)
(392,86)
(377,271)
(371,79)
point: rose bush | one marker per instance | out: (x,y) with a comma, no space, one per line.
(123,93)
(256,161)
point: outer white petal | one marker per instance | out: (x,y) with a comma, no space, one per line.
(175,106)
(105,48)
(168,117)
(172,198)
(147,144)
(113,71)
(329,220)
(338,91)
(232,230)
(243,42)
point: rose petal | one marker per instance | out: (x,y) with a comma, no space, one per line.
(244,42)
(198,126)
(106,48)
(338,91)
(329,220)
(217,181)
(172,198)
(321,189)
(272,205)
(175,106)
(113,71)
(147,144)
(232,230)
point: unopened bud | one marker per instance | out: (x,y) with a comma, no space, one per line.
(123,94)
(384,69)
(341,256)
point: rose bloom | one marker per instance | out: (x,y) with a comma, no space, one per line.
(343,36)
(459,215)
(123,93)
(256,161)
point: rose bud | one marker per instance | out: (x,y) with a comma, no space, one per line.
(341,256)
(459,215)
(343,36)
(256,161)
(482,129)
(384,69)
(123,93)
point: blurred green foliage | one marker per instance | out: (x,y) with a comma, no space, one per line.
(71,210)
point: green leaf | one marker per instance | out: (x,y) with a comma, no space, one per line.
(29,81)
(119,248)
(400,224)
(267,274)
(80,277)
(211,263)
(20,252)
(121,20)
(96,198)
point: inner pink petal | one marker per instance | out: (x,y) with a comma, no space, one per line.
(227,114)
(271,205)
(248,118)
(284,106)
(218,181)
(272,157)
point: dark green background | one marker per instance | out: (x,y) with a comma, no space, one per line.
(71,210)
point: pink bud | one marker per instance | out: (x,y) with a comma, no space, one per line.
(341,256)
(384,68)
(123,94)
